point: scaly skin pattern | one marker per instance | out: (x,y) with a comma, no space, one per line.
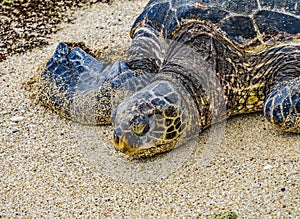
(191,64)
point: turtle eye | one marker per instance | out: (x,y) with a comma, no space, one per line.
(140,125)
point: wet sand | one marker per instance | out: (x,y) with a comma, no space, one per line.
(53,167)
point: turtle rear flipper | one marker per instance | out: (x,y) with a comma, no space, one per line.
(81,88)
(282,105)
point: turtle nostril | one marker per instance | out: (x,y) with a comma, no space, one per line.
(116,138)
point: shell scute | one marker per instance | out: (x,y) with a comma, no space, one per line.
(212,14)
(239,29)
(191,12)
(271,23)
(153,15)
(291,6)
(247,24)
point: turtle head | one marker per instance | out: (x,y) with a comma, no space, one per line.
(151,121)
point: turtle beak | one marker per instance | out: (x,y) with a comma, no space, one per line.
(116,138)
(123,146)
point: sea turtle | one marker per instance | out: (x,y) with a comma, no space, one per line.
(191,63)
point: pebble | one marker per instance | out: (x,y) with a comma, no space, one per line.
(267,167)
(17,118)
(15,131)
(4,112)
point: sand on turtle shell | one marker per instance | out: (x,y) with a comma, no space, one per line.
(53,167)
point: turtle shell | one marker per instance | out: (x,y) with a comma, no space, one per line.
(246,23)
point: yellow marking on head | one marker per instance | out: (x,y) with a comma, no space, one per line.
(240,107)
(252,93)
(242,100)
(250,106)
(260,103)
(252,100)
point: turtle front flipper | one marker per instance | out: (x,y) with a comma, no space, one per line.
(282,105)
(79,87)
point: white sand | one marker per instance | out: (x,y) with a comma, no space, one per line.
(51,167)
